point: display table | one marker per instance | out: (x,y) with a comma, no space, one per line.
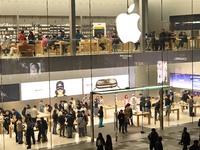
(60,43)
(173,110)
(38,48)
(195,108)
(143,114)
(183,105)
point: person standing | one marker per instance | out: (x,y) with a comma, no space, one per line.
(121,118)
(62,124)
(168,105)
(148,105)
(6,122)
(185,96)
(171,95)
(31,38)
(22,38)
(100,142)
(153,137)
(163,36)
(86,99)
(29,134)
(55,121)
(142,102)
(126,99)
(185,139)
(45,126)
(108,144)
(81,124)
(41,130)
(20,131)
(34,113)
(96,103)
(191,105)
(41,106)
(70,123)
(100,114)
(159,145)
(133,102)
(129,112)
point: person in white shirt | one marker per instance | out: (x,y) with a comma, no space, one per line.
(133,102)
(66,107)
(73,103)
(86,99)
(41,106)
(34,112)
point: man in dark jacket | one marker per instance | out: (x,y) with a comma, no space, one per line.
(70,123)
(100,114)
(153,137)
(121,118)
(163,37)
(62,124)
(185,139)
(45,126)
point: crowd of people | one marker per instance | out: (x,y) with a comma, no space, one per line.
(66,115)
(166,40)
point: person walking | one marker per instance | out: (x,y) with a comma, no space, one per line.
(153,137)
(108,144)
(185,139)
(100,142)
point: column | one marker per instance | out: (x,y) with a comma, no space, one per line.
(143,12)
(72,25)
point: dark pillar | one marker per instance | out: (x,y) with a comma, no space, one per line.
(161,92)
(143,12)
(91,117)
(72,25)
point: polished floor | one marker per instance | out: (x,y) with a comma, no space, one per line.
(171,135)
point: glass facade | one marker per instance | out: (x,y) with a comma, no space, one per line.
(75,49)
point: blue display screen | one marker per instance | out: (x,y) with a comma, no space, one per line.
(188,81)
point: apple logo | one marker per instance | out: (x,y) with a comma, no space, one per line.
(127,26)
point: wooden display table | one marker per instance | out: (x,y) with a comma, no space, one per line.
(105,108)
(38,48)
(173,110)
(60,43)
(183,105)
(143,114)
(195,108)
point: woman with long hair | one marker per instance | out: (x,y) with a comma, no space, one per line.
(108,145)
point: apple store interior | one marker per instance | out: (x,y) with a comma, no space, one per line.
(68,68)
